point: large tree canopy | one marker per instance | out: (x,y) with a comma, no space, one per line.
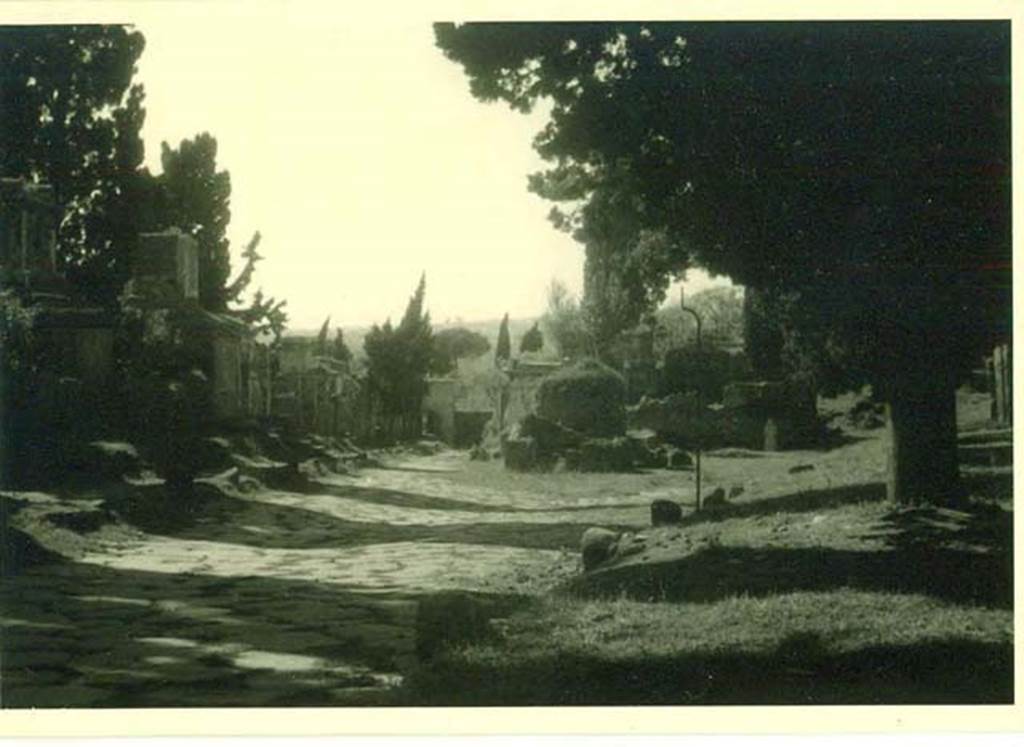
(72,117)
(196,198)
(863,166)
(454,343)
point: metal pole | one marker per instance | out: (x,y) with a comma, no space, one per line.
(700,395)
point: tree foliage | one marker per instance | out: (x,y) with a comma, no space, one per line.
(533,340)
(264,315)
(322,342)
(454,343)
(339,349)
(398,359)
(503,350)
(565,323)
(586,396)
(195,196)
(863,165)
(721,310)
(72,117)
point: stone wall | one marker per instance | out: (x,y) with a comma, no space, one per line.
(754,415)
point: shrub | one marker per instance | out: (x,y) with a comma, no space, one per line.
(707,370)
(587,397)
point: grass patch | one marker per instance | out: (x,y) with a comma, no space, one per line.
(841,647)
(838,603)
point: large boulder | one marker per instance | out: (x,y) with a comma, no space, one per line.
(597,546)
(665,512)
(713,498)
(587,397)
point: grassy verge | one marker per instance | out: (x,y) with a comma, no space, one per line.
(853,603)
(840,647)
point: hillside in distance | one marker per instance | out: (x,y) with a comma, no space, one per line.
(488,328)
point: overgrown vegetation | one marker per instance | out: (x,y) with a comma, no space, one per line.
(564,323)
(451,344)
(398,360)
(587,397)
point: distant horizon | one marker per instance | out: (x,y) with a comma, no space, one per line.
(672,297)
(704,282)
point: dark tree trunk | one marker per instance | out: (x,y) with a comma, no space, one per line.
(923,466)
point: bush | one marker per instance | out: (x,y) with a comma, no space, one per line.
(707,370)
(587,397)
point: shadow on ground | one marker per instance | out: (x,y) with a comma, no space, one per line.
(951,555)
(211,515)
(795,503)
(84,636)
(799,671)
(404,499)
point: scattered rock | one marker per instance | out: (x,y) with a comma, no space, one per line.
(677,459)
(714,498)
(665,512)
(426,447)
(597,545)
(313,468)
(801,468)
(81,522)
(105,460)
(272,474)
(866,415)
(242,482)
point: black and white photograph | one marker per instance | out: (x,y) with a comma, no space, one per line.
(403,362)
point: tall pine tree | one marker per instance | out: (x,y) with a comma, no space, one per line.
(196,198)
(503,350)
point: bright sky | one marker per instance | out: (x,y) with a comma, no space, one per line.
(360,155)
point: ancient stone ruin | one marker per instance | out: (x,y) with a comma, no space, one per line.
(760,415)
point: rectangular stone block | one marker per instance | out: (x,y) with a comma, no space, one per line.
(172,256)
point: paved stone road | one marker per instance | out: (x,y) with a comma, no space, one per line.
(308,598)
(272,598)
